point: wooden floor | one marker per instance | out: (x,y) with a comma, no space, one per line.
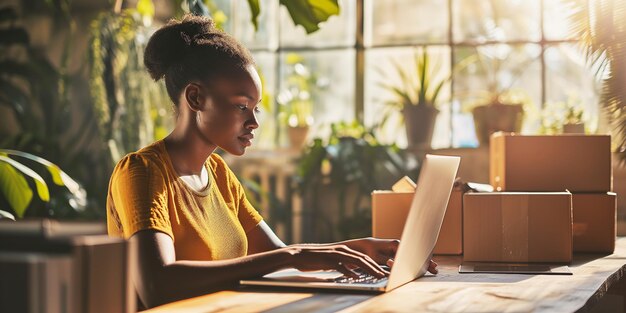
(588,290)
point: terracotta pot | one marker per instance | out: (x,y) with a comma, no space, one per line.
(420,124)
(491,118)
(297,136)
(577,128)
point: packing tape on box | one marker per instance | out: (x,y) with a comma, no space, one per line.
(515,228)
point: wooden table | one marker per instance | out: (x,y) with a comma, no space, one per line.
(448,291)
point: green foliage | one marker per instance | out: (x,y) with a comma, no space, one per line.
(37,93)
(310,13)
(58,194)
(301,89)
(351,163)
(255,9)
(14,186)
(422,87)
(132,110)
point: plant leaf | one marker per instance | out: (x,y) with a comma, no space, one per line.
(59,177)
(15,187)
(310,13)
(255,10)
(145,8)
(7,215)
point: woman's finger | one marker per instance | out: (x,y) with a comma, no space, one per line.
(352,259)
(345,270)
(366,258)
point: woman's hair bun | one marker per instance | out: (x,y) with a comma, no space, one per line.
(168,45)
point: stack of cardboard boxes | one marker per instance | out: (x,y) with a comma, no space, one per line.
(553,199)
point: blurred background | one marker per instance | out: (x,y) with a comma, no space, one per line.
(355,93)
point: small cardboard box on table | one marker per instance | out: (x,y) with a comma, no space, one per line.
(390,210)
(517,227)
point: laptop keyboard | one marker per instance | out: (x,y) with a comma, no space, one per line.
(363,278)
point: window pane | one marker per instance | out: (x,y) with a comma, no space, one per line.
(557,19)
(405,21)
(223,18)
(510,72)
(266,37)
(381,68)
(337,31)
(495,20)
(266,133)
(570,83)
(318,81)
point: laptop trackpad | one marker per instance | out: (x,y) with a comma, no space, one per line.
(292,274)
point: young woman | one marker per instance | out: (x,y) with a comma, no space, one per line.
(180,204)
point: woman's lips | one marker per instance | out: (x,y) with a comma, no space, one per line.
(246,139)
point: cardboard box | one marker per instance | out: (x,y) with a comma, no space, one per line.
(595,217)
(578,163)
(92,270)
(517,227)
(390,210)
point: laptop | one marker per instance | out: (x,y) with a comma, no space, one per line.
(418,239)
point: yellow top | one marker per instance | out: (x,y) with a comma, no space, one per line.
(145,192)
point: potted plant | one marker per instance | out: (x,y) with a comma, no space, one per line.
(574,123)
(296,100)
(500,113)
(336,176)
(417,97)
(498,107)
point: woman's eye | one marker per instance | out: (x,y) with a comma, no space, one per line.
(257,110)
(242,107)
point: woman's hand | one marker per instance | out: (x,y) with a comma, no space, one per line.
(382,251)
(338,257)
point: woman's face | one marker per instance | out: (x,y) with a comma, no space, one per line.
(227,117)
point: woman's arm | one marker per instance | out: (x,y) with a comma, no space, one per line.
(382,251)
(261,238)
(161,279)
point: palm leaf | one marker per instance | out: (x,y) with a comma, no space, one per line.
(602,39)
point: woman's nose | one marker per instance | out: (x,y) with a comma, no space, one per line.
(253,122)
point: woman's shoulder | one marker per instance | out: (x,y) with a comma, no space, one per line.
(217,163)
(149,157)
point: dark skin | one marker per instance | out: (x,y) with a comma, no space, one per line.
(223,114)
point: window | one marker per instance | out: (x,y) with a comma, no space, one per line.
(521,48)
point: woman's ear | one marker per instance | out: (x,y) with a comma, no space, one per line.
(194,97)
